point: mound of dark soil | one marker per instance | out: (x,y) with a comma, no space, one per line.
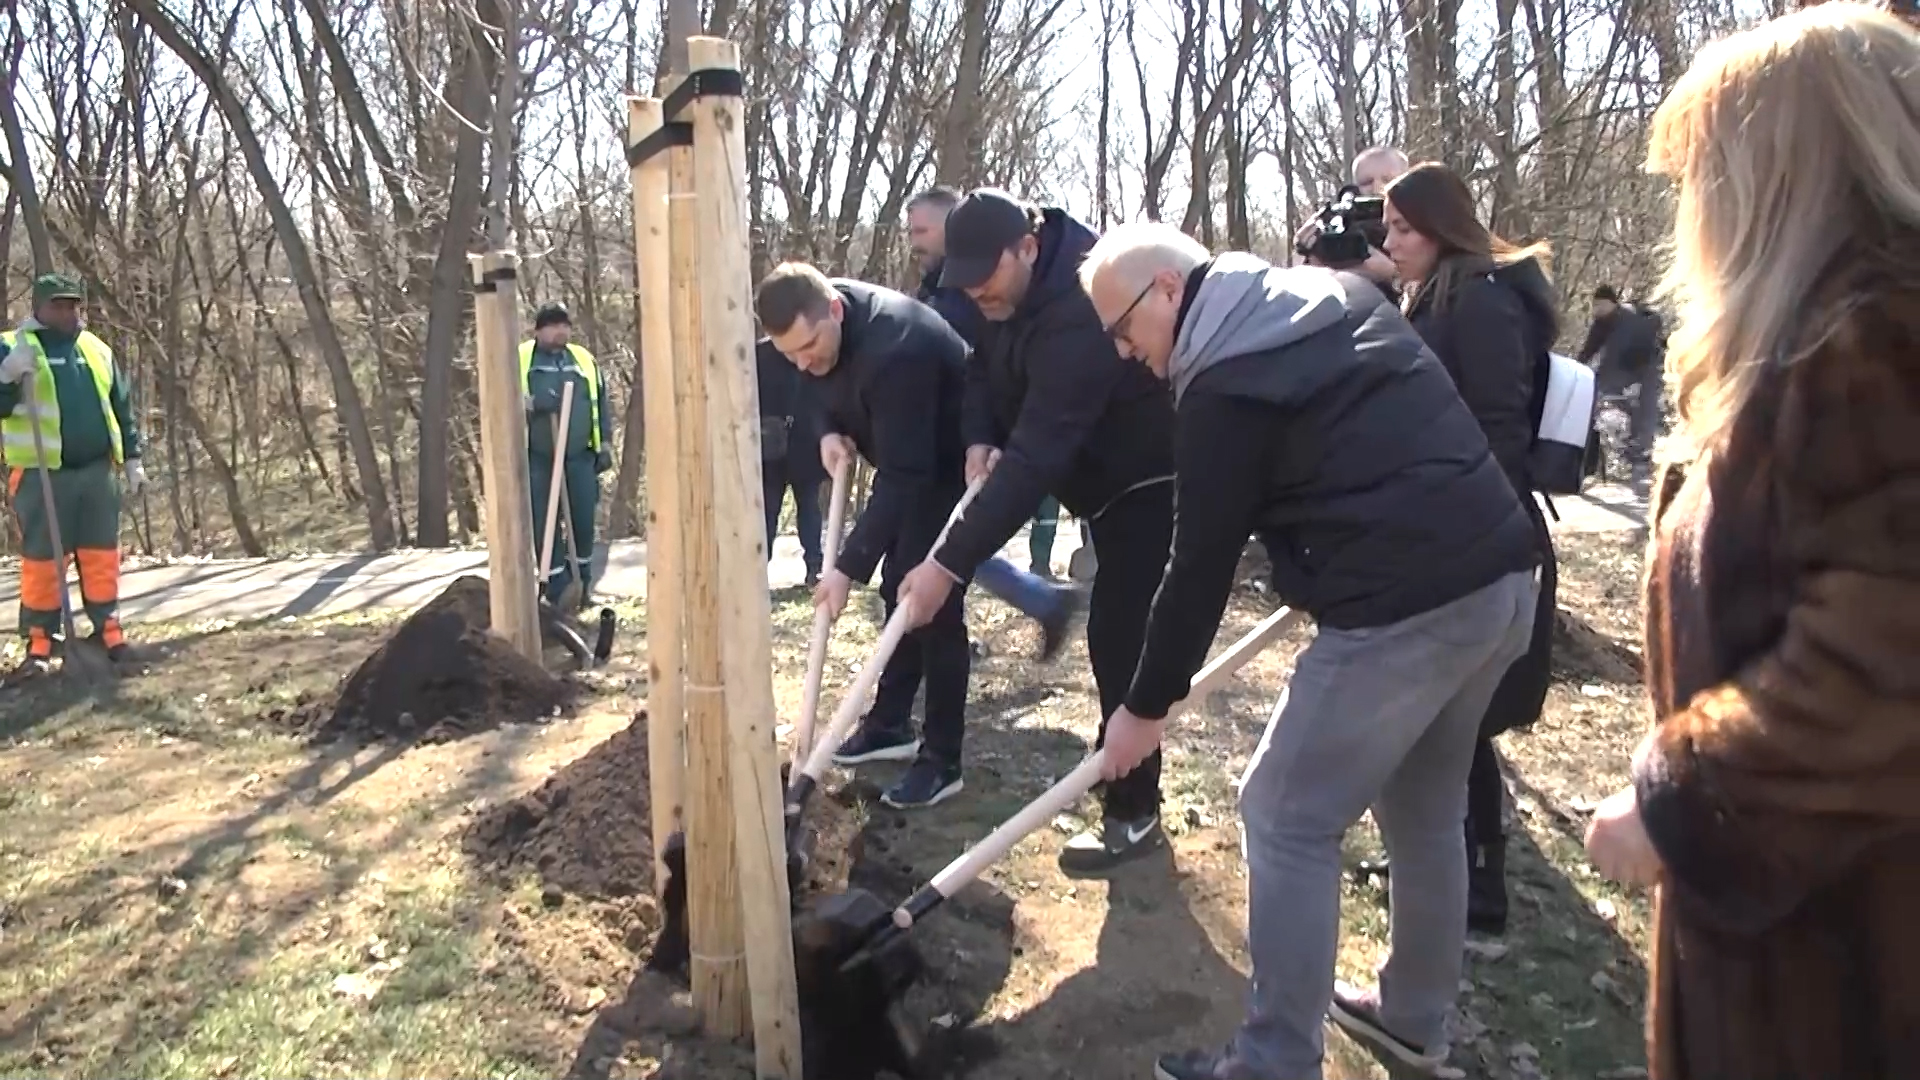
(440,675)
(1584,654)
(587,830)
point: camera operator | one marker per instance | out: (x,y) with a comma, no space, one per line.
(1373,169)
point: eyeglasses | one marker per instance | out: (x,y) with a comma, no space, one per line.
(1118,328)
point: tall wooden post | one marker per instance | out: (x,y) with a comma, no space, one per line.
(503,454)
(719,962)
(666,640)
(745,619)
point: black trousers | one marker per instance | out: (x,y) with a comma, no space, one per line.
(1518,699)
(936,655)
(1133,537)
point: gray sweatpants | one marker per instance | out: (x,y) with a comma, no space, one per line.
(1386,718)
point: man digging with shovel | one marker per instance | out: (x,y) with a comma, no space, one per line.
(66,421)
(887,373)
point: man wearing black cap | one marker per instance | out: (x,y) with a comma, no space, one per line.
(1052,408)
(1629,345)
(547,364)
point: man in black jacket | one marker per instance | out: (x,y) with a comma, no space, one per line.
(789,454)
(1310,413)
(1053,409)
(1627,346)
(887,376)
(1032,595)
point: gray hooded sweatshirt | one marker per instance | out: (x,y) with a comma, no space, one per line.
(1248,305)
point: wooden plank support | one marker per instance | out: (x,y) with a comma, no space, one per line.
(746,625)
(503,453)
(718,969)
(666,604)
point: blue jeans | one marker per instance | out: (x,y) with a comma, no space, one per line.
(775,480)
(1027,593)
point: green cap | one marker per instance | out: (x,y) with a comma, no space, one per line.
(57,287)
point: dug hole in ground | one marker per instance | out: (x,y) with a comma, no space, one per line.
(370,845)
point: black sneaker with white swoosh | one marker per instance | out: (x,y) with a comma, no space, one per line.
(1115,843)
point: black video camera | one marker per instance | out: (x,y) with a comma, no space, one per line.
(1349,227)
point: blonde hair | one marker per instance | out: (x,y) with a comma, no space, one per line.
(1791,143)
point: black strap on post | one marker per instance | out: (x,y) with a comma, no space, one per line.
(709,82)
(677,133)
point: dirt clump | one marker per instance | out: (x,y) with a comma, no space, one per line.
(1582,653)
(441,674)
(587,830)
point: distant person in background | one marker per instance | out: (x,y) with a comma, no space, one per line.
(1628,345)
(548,363)
(1040,536)
(1487,310)
(88,427)
(1773,804)
(1028,593)
(790,454)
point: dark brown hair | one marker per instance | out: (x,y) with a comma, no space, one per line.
(791,291)
(1436,202)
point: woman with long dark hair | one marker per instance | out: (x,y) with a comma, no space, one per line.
(1486,309)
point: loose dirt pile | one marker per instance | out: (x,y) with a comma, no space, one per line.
(1582,653)
(440,675)
(587,830)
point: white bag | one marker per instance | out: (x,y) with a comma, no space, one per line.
(1568,409)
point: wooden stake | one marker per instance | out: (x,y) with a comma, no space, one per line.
(733,410)
(719,963)
(503,455)
(554,481)
(666,639)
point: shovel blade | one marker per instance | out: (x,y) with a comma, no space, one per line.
(852,1021)
(673,949)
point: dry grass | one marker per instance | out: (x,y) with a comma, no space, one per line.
(187,891)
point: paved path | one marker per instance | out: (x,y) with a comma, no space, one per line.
(332,584)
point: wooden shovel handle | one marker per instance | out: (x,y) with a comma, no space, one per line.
(822,621)
(1069,788)
(855,698)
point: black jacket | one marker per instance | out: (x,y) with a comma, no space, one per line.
(953,305)
(784,395)
(1073,418)
(1492,337)
(1351,456)
(896,392)
(1627,342)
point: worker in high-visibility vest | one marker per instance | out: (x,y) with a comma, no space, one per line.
(87,428)
(547,364)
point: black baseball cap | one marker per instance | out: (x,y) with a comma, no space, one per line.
(979,230)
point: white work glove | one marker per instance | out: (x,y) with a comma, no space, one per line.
(20,360)
(136,476)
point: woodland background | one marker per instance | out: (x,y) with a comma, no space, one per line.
(272,200)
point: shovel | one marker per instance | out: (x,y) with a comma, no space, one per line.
(853,960)
(822,619)
(671,948)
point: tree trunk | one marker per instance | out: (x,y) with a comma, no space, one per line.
(352,411)
(19,165)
